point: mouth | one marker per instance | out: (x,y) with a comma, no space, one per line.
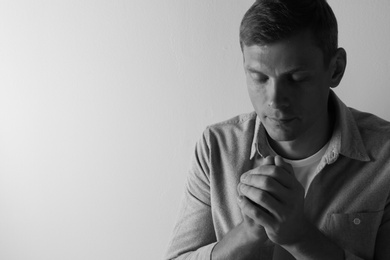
(282,120)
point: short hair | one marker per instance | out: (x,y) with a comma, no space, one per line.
(269,21)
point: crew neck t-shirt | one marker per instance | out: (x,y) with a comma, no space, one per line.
(305,169)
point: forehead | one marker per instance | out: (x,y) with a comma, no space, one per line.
(296,51)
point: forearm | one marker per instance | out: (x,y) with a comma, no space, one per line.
(203,253)
(237,245)
(315,245)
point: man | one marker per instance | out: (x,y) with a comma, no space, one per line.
(303,176)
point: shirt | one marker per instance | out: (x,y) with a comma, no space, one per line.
(304,169)
(348,200)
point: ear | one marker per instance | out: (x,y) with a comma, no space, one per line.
(337,67)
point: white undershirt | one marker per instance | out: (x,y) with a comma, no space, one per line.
(305,169)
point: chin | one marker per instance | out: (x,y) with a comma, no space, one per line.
(281,132)
(282,136)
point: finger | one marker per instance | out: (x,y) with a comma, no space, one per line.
(266,183)
(258,215)
(279,174)
(281,163)
(238,190)
(244,216)
(288,167)
(262,198)
(269,160)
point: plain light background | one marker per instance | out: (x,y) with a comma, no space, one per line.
(101,103)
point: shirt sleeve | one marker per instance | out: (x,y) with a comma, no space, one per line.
(194,235)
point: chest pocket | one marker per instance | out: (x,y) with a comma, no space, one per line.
(355,232)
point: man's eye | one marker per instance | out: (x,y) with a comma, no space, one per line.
(298,78)
(259,78)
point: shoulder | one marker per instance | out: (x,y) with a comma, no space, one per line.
(374,131)
(231,132)
(236,125)
(371,123)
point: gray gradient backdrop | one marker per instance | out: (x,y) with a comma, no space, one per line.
(101,103)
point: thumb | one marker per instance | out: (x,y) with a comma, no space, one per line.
(269,160)
(286,166)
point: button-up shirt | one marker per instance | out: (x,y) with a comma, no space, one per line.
(348,200)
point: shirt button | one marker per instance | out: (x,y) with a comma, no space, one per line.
(356,221)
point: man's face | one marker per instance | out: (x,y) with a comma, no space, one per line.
(288,84)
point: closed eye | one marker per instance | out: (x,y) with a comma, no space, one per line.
(258,76)
(298,77)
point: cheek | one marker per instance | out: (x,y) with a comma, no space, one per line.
(257,97)
(254,88)
(316,103)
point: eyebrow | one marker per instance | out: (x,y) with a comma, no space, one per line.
(289,71)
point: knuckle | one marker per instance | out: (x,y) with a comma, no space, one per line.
(268,182)
(253,211)
(266,168)
(262,197)
(277,172)
(256,214)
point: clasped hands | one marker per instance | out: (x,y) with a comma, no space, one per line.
(271,198)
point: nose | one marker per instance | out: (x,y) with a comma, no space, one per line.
(278,96)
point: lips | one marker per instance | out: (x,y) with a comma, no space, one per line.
(282,120)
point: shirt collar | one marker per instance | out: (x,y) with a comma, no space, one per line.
(254,147)
(345,140)
(259,143)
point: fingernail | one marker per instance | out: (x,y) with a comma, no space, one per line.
(243,177)
(239,199)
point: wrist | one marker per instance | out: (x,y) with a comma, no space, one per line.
(253,233)
(313,244)
(306,234)
(239,243)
